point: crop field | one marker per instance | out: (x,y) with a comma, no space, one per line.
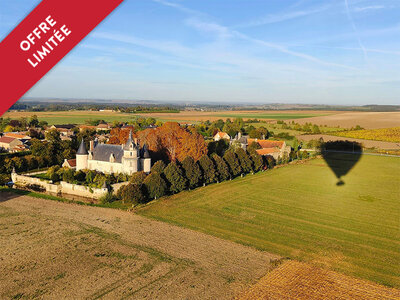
(382,134)
(54,250)
(295,280)
(72,117)
(368,120)
(298,211)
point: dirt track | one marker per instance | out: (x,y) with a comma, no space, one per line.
(55,250)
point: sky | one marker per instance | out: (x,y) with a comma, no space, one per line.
(343,52)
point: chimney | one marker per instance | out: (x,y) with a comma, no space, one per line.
(239,135)
(91,146)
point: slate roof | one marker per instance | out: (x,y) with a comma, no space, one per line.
(102,152)
(82,149)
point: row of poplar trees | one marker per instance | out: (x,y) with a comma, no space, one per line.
(189,174)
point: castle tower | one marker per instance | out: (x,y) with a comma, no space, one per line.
(82,157)
(145,159)
(131,156)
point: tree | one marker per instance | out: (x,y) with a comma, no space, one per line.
(192,171)
(131,193)
(244,160)
(156,187)
(208,169)
(138,178)
(69,176)
(257,160)
(20,163)
(253,146)
(174,175)
(158,167)
(233,163)
(222,167)
(33,121)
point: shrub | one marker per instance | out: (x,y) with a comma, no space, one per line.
(132,193)
(174,175)
(156,187)
(4,179)
(192,172)
(107,198)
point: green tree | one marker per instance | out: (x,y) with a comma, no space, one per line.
(156,187)
(208,169)
(233,163)
(158,167)
(33,121)
(69,176)
(174,175)
(138,178)
(192,171)
(257,160)
(132,193)
(253,146)
(222,168)
(244,160)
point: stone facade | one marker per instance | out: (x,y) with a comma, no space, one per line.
(128,158)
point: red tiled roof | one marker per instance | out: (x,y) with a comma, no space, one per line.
(267,143)
(6,139)
(266,151)
(72,162)
(221,134)
(15,135)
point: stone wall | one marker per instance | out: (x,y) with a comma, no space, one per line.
(60,188)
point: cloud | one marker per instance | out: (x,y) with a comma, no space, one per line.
(367,8)
(277,18)
(209,27)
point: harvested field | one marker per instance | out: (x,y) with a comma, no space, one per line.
(295,280)
(366,143)
(368,120)
(197,116)
(54,250)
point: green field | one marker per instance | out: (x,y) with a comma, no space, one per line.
(298,211)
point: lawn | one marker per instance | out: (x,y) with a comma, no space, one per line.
(298,211)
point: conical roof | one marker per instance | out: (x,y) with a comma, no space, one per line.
(82,149)
(146,153)
(129,142)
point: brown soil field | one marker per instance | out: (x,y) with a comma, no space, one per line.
(55,250)
(366,143)
(368,120)
(197,116)
(296,280)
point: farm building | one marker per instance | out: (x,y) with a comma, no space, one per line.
(221,135)
(276,149)
(128,158)
(11,144)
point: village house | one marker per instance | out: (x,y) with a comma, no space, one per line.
(11,144)
(242,140)
(65,129)
(275,149)
(221,135)
(128,158)
(22,136)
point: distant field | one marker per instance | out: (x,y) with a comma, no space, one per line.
(72,117)
(368,120)
(382,134)
(275,116)
(298,211)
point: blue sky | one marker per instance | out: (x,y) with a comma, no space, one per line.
(249,51)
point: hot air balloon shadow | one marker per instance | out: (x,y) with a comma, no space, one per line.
(341,157)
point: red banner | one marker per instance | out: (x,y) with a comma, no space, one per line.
(42,39)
